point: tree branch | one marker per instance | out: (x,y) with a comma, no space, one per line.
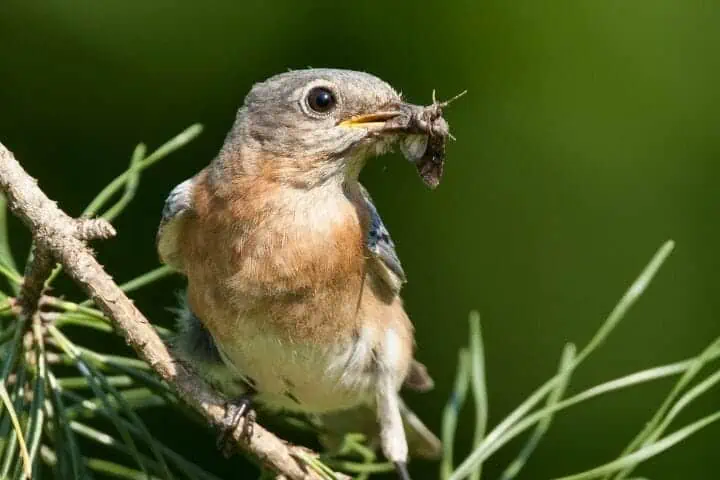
(62,238)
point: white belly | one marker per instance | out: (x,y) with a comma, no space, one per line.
(302,377)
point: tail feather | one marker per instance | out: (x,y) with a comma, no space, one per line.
(422,443)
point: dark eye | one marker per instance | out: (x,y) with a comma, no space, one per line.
(321,100)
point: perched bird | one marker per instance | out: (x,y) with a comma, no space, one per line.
(293,297)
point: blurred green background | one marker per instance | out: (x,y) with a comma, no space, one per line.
(590,134)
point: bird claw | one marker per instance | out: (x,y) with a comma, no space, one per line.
(236,411)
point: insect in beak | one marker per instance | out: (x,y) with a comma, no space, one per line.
(422,130)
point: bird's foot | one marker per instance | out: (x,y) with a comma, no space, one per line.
(402,471)
(235,412)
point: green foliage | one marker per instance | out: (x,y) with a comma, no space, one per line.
(648,443)
(7,263)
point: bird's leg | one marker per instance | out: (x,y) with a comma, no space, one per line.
(392,432)
(402,471)
(236,411)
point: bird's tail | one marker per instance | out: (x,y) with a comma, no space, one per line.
(422,443)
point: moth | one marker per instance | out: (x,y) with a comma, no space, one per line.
(426,139)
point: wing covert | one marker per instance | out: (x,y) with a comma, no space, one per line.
(380,244)
(177,206)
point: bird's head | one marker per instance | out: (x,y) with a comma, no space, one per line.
(310,127)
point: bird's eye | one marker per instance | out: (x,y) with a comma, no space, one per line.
(321,100)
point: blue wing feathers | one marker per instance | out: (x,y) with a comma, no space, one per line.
(178,201)
(379,241)
(177,204)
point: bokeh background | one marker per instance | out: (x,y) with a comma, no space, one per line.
(590,135)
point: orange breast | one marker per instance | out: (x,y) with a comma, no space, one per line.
(297,266)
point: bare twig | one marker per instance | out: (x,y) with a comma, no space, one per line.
(58,234)
(94,229)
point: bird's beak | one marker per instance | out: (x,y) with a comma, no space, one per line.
(372,121)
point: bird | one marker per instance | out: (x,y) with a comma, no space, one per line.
(293,280)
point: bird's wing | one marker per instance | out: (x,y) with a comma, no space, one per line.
(177,206)
(194,344)
(382,248)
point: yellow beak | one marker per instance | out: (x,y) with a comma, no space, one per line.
(369,120)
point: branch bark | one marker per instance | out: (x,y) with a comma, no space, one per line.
(58,236)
